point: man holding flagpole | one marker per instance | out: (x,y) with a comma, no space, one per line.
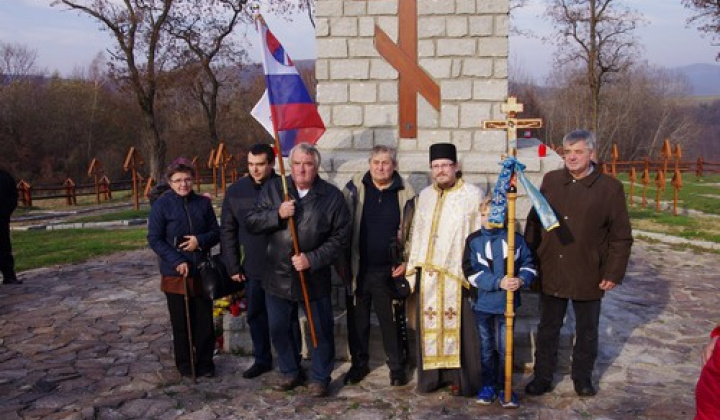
(323,227)
(305,218)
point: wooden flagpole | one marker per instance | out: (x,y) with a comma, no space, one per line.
(291,220)
(296,245)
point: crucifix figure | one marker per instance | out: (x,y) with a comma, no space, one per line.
(403,56)
(512,123)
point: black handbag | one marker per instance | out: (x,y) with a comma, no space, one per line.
(401,286)
(216,282)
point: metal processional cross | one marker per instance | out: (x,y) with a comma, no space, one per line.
(403,56)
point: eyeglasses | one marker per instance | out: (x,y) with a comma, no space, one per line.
(439,166)
(182,181)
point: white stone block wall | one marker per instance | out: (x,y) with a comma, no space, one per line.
(462,46)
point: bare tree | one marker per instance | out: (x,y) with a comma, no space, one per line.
(17,61)
(707,18)
(642,108)
(138,58)
(205,28)
(596,40)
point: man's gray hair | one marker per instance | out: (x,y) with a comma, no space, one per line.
(308,149)
(581,135)
(381,148)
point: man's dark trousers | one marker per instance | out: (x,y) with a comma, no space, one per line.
(257,320)
(376,289)
(552,315)
(285,336)
(7,263)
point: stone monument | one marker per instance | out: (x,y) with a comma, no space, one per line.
(410,73)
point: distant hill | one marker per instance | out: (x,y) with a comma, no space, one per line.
(704,78)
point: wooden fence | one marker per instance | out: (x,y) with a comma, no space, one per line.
(217,173)
(69,190)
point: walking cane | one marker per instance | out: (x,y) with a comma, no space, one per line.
(189,328)
(510,306)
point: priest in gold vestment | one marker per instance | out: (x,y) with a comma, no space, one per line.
(445,213)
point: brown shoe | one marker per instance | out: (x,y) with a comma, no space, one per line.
(288,383)
(318,390)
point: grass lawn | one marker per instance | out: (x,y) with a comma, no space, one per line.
(41,248)
(696,194)
(142,213)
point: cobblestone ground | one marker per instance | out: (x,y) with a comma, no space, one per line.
(91,341)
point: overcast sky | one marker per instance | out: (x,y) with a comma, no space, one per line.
(66,40)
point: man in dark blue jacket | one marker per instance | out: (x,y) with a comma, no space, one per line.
(8,203)
(323,228)
(244,253)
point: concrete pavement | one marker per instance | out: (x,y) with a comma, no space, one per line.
(92,341)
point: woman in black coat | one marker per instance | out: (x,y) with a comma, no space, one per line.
(181,229)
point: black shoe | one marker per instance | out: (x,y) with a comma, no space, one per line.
(256,370)
(356,374)
(14,280)
(584,388)
(288,383)
(398,378)
(538,387)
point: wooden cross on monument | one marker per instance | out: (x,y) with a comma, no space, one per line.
(512,123)
(403,57)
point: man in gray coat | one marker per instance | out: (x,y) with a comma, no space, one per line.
(376,200)
(580,260)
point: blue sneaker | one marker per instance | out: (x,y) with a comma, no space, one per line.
(513,403)
(486,396)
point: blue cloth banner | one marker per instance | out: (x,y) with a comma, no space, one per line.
(498,209)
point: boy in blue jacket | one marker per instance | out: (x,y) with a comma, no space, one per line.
(484,264)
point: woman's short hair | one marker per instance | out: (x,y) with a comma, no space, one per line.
(180,164)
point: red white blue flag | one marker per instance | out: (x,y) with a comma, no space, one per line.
(293,113)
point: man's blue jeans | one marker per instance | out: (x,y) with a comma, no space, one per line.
(285,336)
(491,328)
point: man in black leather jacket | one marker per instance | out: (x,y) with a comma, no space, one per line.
(323,228)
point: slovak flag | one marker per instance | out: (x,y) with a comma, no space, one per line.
(292,111)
